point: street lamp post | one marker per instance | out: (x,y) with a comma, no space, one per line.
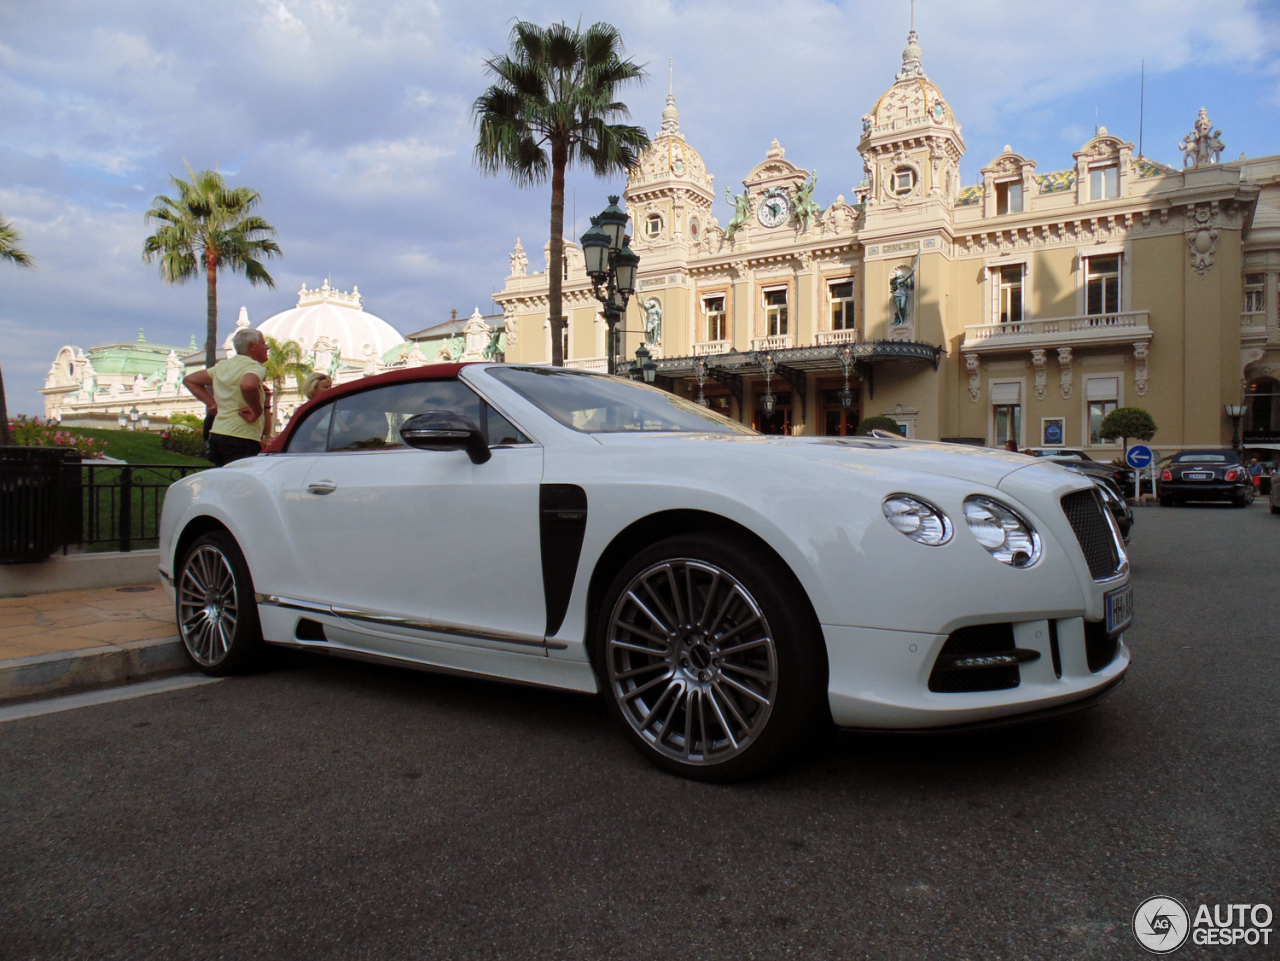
(611,265)
(133,418)
(645,366)
(1235,412)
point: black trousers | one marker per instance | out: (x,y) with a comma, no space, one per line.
(223,449)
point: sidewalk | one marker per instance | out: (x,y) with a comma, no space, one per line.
(61,643)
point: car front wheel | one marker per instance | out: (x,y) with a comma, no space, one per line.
(217,613)
(714,667)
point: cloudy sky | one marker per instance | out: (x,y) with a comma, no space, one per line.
(352,118)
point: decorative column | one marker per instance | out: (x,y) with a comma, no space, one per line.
(1064,362)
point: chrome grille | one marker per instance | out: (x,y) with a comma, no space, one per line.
(1087,514)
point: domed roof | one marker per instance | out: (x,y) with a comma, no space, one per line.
(913,97)
(335,315)
(669,156)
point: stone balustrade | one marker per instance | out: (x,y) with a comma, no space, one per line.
(776,342)
(1121,326)
(829,338)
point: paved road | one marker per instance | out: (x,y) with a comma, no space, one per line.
(346,811)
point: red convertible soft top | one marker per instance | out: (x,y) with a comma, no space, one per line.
(430,372)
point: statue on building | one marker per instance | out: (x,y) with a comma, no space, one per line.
(494,347)
(370,360)
(741,212)
(902,285)
(652,321)
(806,211)
(519,262)
(1203,145)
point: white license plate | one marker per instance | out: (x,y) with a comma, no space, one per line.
(1197,477)
(1119,606)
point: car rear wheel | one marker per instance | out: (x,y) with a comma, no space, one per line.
(713,666)
(217,613)
(1166,500)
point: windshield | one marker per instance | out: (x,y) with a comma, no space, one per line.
(608,405)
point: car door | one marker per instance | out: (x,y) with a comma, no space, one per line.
(425,541)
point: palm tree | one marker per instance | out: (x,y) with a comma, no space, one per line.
(284,359)
(209,223)
(556,90)
(10,250)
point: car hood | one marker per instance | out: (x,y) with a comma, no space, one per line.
(977,465)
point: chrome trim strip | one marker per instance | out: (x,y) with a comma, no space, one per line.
(436,627)
(272,600)
(405,623)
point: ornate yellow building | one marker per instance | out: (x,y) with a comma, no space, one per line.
(1025,308)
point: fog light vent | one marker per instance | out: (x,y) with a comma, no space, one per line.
(981,657)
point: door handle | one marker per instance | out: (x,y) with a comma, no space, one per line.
(322,487)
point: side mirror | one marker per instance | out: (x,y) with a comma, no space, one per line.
(445,430)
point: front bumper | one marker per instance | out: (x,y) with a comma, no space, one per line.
(879,679)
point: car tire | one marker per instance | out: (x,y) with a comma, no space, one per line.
(216,609)
(1274,509)
(721,688)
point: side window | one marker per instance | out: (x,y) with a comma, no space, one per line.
(313,433)
(371,420)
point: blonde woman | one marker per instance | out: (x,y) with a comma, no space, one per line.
(316,385)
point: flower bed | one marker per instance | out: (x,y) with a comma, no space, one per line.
(31,432)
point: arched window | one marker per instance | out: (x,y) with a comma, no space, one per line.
(443,357)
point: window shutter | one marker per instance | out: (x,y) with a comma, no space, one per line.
(1102,388)
(1006,393)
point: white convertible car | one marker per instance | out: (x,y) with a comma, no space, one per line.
(729,593)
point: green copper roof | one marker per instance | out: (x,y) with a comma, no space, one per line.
(136,358)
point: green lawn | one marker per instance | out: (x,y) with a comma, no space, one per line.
(136,447)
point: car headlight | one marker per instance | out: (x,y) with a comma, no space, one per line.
(918,519)
(1007,537)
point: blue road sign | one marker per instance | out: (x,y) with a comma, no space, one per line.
(1139,456)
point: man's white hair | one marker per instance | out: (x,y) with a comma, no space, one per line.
(244,337)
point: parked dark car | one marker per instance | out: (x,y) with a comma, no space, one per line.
(1122,474)
(1205,475)
(1110,491)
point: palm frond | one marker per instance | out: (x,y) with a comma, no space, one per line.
(11,246)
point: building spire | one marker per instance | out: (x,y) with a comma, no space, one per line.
(911,66)
(670,115)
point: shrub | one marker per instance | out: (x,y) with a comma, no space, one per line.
(30,432)
(191,421)
(182,440)
(1126,423)
(880,423)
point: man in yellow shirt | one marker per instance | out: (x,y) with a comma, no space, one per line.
(235,390)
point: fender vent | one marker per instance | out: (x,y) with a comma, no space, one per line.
(309,630)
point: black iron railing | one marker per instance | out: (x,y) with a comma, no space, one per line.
(121,504)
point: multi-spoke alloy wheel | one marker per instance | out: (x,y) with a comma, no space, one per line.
(207,611)
(711,656)
(217,619)
(691,660)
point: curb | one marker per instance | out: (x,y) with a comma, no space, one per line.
(80,572)
(70,672)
